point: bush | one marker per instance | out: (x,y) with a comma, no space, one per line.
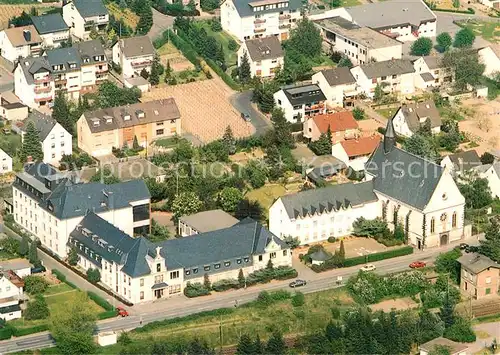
(407,250)
(5,333)
(461,331)
(224,285)
(35,284)
(232,45)
(37,309)
(335,312)
(292,242)
(93,275)
(195,290)
(332,239)
(107,314)
(19,332)
(100,301)
(298,299)
(61,277)
(265,298)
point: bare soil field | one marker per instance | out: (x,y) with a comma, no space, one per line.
(9,11)
(397,304)
(178,62)
(368,126)
(205,108)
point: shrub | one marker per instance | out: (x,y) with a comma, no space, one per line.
(35,284)
(224,285)
(379,256)
(232,45)
(292,242)
(298,299)
(280,295)
(5,333)
(335,312)
(358,113)
(195,290)
(19,332)
(100,301)
(107,314)
(461,331)
(37,309)
(93,275)
(264,299)
(332,239)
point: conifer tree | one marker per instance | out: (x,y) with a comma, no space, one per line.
(61,113)
(258,347)
(446,313)
(32,146)
(228,139)
(156,71)
(33,253)
(276,344)
(241,278)
(24,246)
(244,69)
(245,346)
(342,250)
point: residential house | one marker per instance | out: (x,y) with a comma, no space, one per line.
(65,64)
(94,65)
(33,82)
(300,102)
(265,56)
(56,141)
(393,76)
(206,221)
(360,44)
(20,42)
(247,19)
(5,162)
(355,152)
(83,16)
(11,107)
(133,55)
(50,204)
(411,117)
(430,72)
(452,347)
(459,163)
(491,172)
(489,58)
(52,29)
(21,267)
(11,294)
(102,130)
(322,169)
(338,85)
(404,21)
(342,126)
(478,275)
(142,271)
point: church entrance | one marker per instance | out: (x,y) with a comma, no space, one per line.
(444,239)
(419,244)
(158,293)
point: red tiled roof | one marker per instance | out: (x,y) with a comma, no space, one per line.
(338,122)
(360,146)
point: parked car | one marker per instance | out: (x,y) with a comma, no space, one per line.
(463,246)
(245,116)
(122,311)
(38,269)
(368,267)
(297,283)
(417,264)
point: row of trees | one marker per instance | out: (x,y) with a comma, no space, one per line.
(463,39)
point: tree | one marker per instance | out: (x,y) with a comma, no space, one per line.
(206,282)
(274,162)
(298,299)
(199,347)
(156,71)
(186,203)
(476,191)
(369,227)
(31,146)
(229,198)
(323,146)
(245,345)
(24,246)
(464,38)
(24,19)
(258,346)
(37,309)
(378,94)
(33,254)
(305,39)
(110,95)
(72,326)
(144,73)
(342,250)
(73,256)
(244,73)
(358,113)
(345,62)
(61,113)
(168,71)
(105,176)
(487,158)
(282,129)
(241,278)
(255,173)
(209,5)
(229,141)
(444,41)
(93,33)
(247,208)
(422,46)
(35,284)
(158,232)
(270,265)
(275,345)
(461,331)
(446,312)
(135,144)
(93,275)
(422,146)
(490,246)
(466,67)
(145,18)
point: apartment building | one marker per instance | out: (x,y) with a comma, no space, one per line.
(478,275)
(133,55)
(94,65)
(246,19)
(430,72)
(20,42)
(33,82)
(265,56)
(52,29)
(49,205)
(338,85)
(300,102)
(142,271)
(411,117)
(83,16)
(360,44)
(5,163)
(102,130)
(393,76)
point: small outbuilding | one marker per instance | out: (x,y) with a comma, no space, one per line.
(453,348)
(319,257)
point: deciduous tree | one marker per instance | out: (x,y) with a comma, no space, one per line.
(464,38)
(444,41)
(186,203)
(93,275)
(490,246)
(345,62)
(421,46)
(229,198)
(422,146)
(37,309)
(305,39)
(73,256)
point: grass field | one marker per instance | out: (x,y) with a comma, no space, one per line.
(344,3)
(490,31)
(267,194)
(222,38)
(387,112)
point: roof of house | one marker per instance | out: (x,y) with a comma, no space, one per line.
(208,221)
(89,8)
(416,113)
(43,123)
(303,94)
(330,198)
(49,23)
(136,46)
(433,61)
(324,166)
(338,122)
(15,264)
(411,179)
(388,14)
(31,66)
(455,348)
(338,76)
(364,36)
(465,160)
(17,36)
(245,7)
(65,57)
(360,146)
(90,50)
(264,48)
(476,262)
(387,68)
(131,115)
(243,239)
(427,77)
(320,255)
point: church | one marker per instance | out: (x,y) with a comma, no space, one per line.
(399,187)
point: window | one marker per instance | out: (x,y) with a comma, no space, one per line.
(384,77)
(158,279)
(285,252)
(160,132)
(487,291)
(394,76)
(488,280)
(272,255)
(216,266)
(238,261)
(260,258)
(454,220)
(433,225)
(188,272)
(62,144)
(174,289)
(53,155)
(158,267)
(141,295)
(206,268)
(195,270)
(246,259)
(227,263)
(174,274)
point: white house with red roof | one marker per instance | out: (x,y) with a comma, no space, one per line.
(355,152)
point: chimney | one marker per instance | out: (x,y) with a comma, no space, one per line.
(27,35)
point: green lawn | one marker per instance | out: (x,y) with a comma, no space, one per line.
(223,38)
(6,256)
(322,60)
(168,142)
(387,112)
(490,31)
(344,3)
(267,194)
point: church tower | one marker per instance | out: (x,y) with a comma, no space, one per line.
(389,137)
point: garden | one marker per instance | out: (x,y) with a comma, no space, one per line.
(490,31)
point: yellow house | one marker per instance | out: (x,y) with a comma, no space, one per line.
(102,130)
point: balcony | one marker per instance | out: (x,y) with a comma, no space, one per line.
(259,30)
(45,79)
(102,70)
(285,17)
(100,79)
(315,107)
(42,90)
(282,27)
(45,98)
(259,20)
(143,63)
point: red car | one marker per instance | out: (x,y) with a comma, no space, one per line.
(122,311)
(417,264)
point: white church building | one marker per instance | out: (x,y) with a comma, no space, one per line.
(399,187)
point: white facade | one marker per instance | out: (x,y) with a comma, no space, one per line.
(54,39)
(297,113)
(13,52)
(492,175)
(57,143)
(260,23)
(335,95)
(402,128)
(81,27)
(131,66)
(263,68)
(10,294)
(5,163)
(491,61)
(401,83)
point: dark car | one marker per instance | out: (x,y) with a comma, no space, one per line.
(463,246)
(38,269)
(471,249)
(297,283)
(245,116)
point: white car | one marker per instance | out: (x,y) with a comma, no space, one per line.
(368,267)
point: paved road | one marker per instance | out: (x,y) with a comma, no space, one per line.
(181,306)
(161,22)
(242,102)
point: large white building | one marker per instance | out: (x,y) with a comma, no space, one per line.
(20,42)
(52,29)
(301,101)
(49,205)
(142,271)
(265,56)
(134,55)
(247,19)
(84,15)
(400,188)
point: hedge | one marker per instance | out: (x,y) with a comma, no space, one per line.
(61,277)
(407,250)
(184,46)
(19,332)
(107,314)
(5,333)
(224,76)
(468,11)
(100,301)
(195,290)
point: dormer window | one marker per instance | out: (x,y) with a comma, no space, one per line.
(109,119)
(126,116)
(158,267)
(140,114)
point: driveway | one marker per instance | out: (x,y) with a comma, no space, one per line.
(161,22)
(242,102)
(6,80)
